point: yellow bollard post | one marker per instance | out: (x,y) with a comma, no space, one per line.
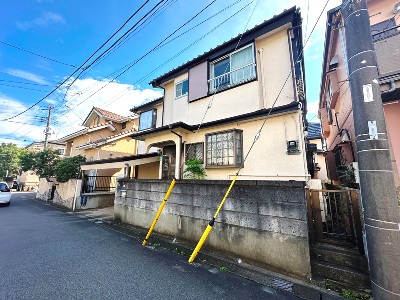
(159,212)
(211,223)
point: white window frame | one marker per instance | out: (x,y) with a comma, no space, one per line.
(153,119)
(181,90)
(230,71)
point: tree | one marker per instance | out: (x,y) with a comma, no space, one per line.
(27,160)
(69,168)
(42,162)
(9,159)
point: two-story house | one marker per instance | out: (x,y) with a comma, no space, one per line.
(216,105)
(336,113)
(106,136)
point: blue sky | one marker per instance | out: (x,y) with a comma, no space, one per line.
(63,34)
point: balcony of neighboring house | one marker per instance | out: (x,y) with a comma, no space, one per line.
(386,39)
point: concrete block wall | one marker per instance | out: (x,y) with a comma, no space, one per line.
(264,221)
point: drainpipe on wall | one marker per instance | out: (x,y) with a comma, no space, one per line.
(180,153)
(263,103)
(289,34)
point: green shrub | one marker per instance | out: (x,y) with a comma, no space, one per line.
(69,168)
(194,169)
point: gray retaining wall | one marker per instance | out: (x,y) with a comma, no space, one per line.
(265,221)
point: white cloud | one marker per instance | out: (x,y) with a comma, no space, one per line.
(27,76)
(115,97)
(21,129)
(28,127)
(312,110)
(47,19)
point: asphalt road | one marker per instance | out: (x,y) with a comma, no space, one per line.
(46,253)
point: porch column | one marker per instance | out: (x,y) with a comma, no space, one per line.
(178,145)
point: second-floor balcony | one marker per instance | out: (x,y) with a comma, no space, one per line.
(232,78)
(387,49)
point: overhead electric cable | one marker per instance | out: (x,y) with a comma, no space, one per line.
(42,56)
(82,65)
(127,67)
(110,47)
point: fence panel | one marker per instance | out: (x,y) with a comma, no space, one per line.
(93,184)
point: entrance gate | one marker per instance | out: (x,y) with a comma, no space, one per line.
(334,217)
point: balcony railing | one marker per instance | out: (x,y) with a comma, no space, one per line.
(387,49)
(232,78)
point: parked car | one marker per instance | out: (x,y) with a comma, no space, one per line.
(5,193)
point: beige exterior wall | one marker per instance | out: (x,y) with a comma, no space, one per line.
(149,171)
(243,98)
(268,158)
(275,59)
(29,179)
(122,147)
(320,160)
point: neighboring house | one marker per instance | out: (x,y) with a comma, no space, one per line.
(29,180)
(316,152)
(39,146)
(336,113)
(214,106)
(106,136)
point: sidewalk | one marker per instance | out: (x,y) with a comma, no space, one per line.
(241,267)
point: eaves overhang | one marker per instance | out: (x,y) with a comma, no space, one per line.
(328,32)
(147,105)
(288,16)
(259,114)
(120,162)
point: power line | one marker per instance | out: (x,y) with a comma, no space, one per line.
(82,65)
(12,81)
(30,52)
(162,45)
(127,67)
(21,87)
(110,47)
(154,15)
(172,58)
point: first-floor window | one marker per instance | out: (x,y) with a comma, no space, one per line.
(195,151)
(147,119)
(224,148)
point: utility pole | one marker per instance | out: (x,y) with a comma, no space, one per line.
(377,188)
(47,130)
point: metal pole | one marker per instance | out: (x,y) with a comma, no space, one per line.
(211,223)
(46,134)
(378,195)
(159,212)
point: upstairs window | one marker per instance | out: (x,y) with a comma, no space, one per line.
(123,125)
(232,69)
(147,119)
(181,88)
(224,149)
